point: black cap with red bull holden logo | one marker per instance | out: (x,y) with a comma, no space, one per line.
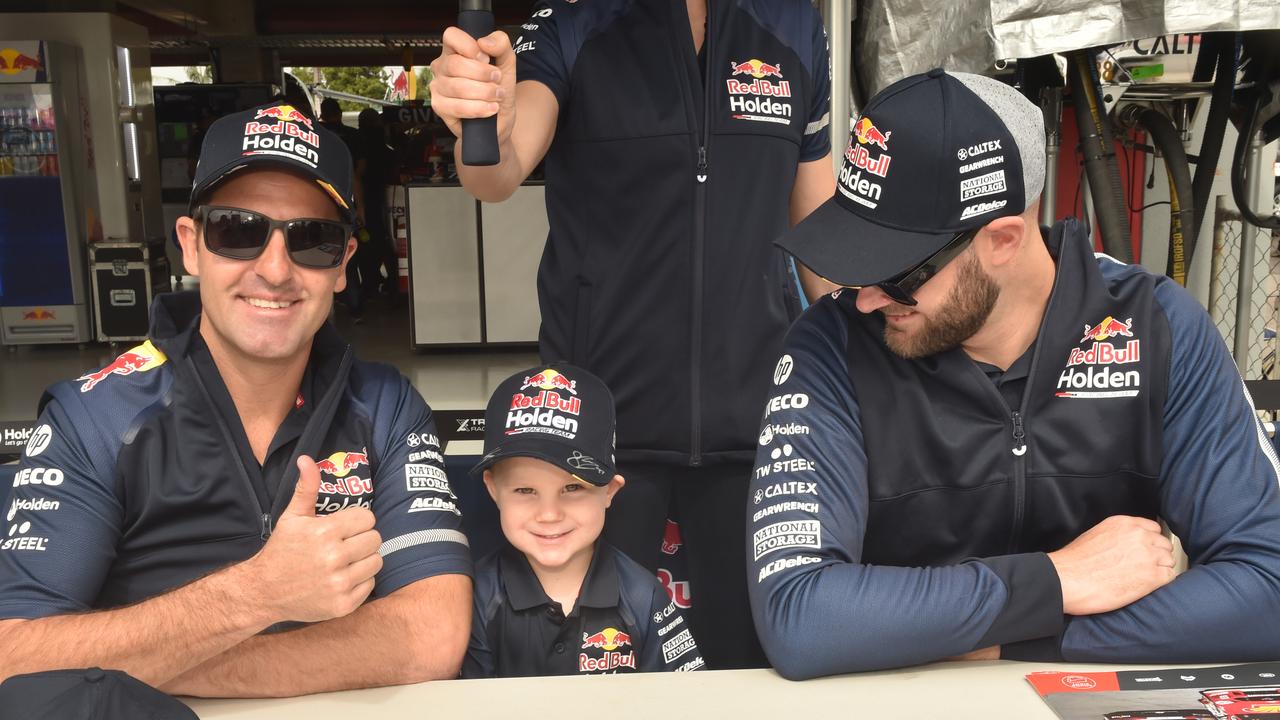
(933,155)
(276,135)
(558,413)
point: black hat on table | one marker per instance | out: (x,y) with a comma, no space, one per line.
(89,694)
(281,136)
(558,413)
(932,156)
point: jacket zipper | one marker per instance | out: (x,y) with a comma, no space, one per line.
(699,248)
(229,441)
(1018,419)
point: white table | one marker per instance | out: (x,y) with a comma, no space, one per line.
(951,690)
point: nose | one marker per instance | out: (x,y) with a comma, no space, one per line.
(274,265)
(549,509)
(872,298)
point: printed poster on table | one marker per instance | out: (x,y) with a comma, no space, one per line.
(1229,692)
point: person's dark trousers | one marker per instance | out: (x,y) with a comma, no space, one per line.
(368,261)
(382,252)
(710,504)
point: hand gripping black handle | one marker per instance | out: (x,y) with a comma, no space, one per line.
(479,135)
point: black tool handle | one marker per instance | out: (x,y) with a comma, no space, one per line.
(479,135)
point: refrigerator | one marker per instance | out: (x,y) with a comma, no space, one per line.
(48,204)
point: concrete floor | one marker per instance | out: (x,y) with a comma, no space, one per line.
(449,380)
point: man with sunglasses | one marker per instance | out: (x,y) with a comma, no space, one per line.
(240,473)
(969,451)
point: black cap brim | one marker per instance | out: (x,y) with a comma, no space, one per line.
(544,448)
(848,249)
(225,172)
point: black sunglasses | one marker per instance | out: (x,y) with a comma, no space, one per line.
(243,235)
(901,287)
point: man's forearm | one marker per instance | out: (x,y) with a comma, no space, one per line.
(492,183)
(390,641)
(154,640)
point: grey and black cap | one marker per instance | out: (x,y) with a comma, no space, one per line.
(932,155)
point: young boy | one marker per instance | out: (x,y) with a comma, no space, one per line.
(556,600)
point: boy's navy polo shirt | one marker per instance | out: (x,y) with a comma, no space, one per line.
(623,622)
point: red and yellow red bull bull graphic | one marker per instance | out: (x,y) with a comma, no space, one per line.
(610,640)
(1092,371)
(13,61)
(282,130)
(340,463)
(39,314)
(143,358)
(754,99)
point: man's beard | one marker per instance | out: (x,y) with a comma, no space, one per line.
(959,318)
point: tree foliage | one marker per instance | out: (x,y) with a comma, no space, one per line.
(370,82)
(424,84)
(200,73)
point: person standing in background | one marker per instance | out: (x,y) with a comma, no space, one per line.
(681,138)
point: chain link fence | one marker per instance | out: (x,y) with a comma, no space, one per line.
(1249,331)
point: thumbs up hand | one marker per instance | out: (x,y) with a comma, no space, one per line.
(317,568)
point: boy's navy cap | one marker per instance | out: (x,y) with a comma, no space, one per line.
(87,694)
(558,413)
(932,156)
(276,135)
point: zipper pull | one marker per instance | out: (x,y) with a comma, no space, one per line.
(266,526)
(702,164)
(1019,436)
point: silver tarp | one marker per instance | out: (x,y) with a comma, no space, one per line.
(905,37)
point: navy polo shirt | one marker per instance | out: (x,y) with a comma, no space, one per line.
(623,621)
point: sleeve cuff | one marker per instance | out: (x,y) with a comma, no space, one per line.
(1033,608)
(1045,649)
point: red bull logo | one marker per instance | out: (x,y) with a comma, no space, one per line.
(546,399)
(287,113)
(671,540)
(550,380)
(13,62)
(1108,328)
(756,69)
(139,359)
(868,134)
(341,463)
(607,639)
(39,314)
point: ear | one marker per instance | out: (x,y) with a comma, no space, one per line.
(190,242)
(1001,240)
(488,485)
(612,489)
(341,284)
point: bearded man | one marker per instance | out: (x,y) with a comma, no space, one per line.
(971,451)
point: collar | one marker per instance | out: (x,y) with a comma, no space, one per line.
(524,591)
